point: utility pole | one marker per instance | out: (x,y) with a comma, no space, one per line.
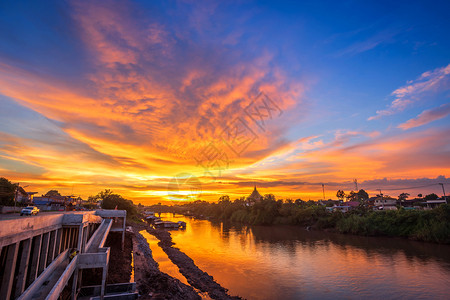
(382,200)
(443,190)
(356,184)
(323,191)
(15,196)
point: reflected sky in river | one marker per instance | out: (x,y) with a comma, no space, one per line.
(164,263)
(286,262)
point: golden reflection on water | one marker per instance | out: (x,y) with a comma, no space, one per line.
(286,262)
(132,267)
(165,264)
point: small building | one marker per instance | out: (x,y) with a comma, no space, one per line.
(352,204)
(371,201)
(330,203)
(338,208)
(53,202)
(343,207)
(21,195)
(386,203)
(416,202)
(430,204)
(31,196)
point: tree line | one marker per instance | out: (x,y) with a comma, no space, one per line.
(425,225)
(362,195)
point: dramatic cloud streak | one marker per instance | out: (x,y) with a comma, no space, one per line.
(434,81)
(152,99)
(127,95)
(427,116)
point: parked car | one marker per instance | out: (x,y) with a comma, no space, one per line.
(29,210)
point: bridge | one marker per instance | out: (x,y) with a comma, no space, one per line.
(37,260)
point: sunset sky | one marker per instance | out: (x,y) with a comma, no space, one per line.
(144,97)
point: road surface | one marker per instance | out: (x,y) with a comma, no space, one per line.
(17,215)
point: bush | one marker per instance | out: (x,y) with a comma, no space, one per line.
(430,226)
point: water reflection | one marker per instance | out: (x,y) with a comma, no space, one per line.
(286,262)
(165,264)
(132,267)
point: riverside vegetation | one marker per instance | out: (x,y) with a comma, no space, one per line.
(423,225)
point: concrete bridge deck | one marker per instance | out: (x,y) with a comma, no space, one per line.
(35,251)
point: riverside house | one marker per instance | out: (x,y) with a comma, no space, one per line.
(385,203)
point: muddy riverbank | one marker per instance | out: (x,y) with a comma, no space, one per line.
(137,260)
(194,275)
(151,282)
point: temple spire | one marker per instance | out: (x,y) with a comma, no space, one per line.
(255,196)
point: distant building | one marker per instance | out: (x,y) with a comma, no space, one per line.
(371,201)
(31,196)
(330,203)
(430,204)
(386,203)
(341,208)
(21,195)
(351,204)
(53,202)
(416,202)
(254,197)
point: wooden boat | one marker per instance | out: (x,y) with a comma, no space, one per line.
(152,219)
(169,224)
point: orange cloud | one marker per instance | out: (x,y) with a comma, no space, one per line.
(148,105)
(153,99)
(427,116)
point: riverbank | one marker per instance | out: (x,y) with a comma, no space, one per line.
(194,275)
(151,282)
(154,284)
(421,225)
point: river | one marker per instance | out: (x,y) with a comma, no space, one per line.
(287,262)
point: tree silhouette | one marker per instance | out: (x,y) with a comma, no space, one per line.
(340,194)
(431,196)
(52,193)
(111,201)
(224,198)
(7,190)
(362,195)
(352,196)
(269,197)
(403,196)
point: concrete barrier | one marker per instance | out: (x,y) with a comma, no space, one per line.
(37,284)
(14,230)
(94,260)
(9,209)
(63,280)
(40,270)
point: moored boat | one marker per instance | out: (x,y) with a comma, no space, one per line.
(169,224)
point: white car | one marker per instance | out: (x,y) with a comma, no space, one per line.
(29,210)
